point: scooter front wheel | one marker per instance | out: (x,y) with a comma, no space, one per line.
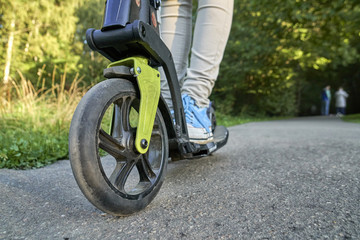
(104,123)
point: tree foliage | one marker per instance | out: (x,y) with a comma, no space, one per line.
(279,56)
(48,34)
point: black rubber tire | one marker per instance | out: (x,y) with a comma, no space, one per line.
(84,138)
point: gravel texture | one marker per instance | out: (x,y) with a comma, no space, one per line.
(289,179)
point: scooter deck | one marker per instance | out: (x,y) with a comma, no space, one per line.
(221,135)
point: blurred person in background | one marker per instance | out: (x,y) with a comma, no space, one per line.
(340,104)
(325,101)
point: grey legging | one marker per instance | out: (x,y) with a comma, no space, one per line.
(211,33)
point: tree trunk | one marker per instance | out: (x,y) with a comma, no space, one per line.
(9,52)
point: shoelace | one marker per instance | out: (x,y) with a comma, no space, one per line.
(190,110)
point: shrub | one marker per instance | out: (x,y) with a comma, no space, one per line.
(35,122)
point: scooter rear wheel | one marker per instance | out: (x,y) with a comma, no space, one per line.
(125,181)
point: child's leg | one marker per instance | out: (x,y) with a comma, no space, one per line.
(176,28)
(211,33)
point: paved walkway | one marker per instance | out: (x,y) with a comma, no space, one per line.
(289,179)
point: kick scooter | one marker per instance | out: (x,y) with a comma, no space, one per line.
(125,116)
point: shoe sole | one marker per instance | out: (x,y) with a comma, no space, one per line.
(202,141)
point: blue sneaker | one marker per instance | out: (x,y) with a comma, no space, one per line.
(198,122)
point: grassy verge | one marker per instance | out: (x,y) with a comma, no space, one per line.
(355,118)
(35,122)
(228,121)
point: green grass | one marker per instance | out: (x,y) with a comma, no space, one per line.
(22,146)
(355,118)
(35,123)
(228,121)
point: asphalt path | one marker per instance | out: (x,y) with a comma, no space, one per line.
(288,179)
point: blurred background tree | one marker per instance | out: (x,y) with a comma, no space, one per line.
(280,55)
(39,37)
